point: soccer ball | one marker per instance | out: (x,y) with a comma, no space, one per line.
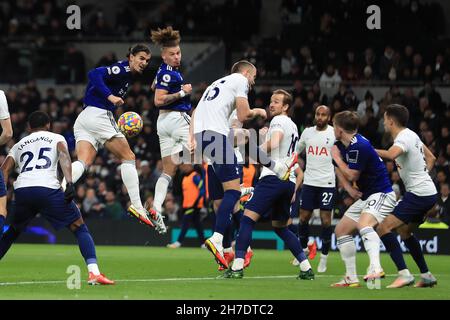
(130,124)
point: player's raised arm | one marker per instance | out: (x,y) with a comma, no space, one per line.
(430,159)
(354,193)
(5,120)
(97,78)
(7,166)
(7,132)
(390,154)
(164,98)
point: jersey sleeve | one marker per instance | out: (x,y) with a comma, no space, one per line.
(241,87)
(357,155)
(277,124)
(98,76)
(166,80)
(4,113)
(402,143)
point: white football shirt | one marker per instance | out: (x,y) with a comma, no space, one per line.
(287,145)
(36,158)
(218,102)
(411,164)
(317,144)
(4,113)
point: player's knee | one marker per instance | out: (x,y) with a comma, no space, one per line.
(279,230)
(78,228)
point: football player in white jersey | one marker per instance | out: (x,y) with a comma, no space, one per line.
(211,131)
(413,160)
(272,196)
(37,190)
(215,191)
(319,183)
(6,135)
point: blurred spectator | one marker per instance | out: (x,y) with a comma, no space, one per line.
(113,209)
(368,102)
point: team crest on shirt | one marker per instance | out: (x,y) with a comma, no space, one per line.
(115,69)
(166,78)
(352,156)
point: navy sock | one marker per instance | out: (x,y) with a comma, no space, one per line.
(227,236)
(237,216)
(223,217)
(86,244)
(303,233)
(416,252)
(291,242)
(184,226)
(393,247)
(2,223)
(326,239)
(7,240)
(244,236)
(293,228)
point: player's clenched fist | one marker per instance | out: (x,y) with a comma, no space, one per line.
(187,88)
(117,101)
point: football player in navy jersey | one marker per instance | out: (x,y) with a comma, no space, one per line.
(172,98)
(358,163)
(95,126)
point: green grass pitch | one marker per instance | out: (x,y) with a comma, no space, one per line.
(39,272)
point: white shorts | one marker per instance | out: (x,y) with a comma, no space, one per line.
(96,126)
(380,205)
(173,132)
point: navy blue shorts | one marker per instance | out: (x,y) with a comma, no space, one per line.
(215,188)
(272,198)
(2,185)
(413,208)
(48,202)
(219,149)
(317,198)
(296,205)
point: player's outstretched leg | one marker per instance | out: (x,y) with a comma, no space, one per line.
(392,246)
(87,249)
(223,219)
(121,149)
(426,278)
(7,240)
(372,245)
(243,240)
(78,169)
(161,191)
(294,246)
(347,249)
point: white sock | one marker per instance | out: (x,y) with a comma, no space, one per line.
(304,265)
(372,245)
(404,272)
(78,168)
(217,238)
(230,249)
(131,181)
(93,267)
(347,250)
(323,256)
(238,264)
(161,191)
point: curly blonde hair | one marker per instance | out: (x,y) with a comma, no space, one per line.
(166,37)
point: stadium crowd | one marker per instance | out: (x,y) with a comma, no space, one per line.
(101,194)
